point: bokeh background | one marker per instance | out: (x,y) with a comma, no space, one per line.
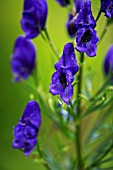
(13,96)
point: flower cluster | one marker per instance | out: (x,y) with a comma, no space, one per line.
(81,24)
(33,22)
(23,62)
(25,132)
(62,79)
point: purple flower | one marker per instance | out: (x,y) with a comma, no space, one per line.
(78,5)
(68,59)
(85,17)
(66,69)
(108,61)
(34,17)
(86,40)
(71,26)
(107,8)
(63,2)
(25,132)
(71,23)
(23,58)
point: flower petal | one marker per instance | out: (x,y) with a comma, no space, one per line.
(56,89)
(68,59)
(29,146)
(67,94)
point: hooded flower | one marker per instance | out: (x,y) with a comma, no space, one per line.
(25,132)
(68,59)
(85,17)
(63,2)
(34,17)
(86,40)
(71,26)
(107,8)
(66,69)
(23,58)
(108,61)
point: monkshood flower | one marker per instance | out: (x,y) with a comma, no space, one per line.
(25,132)
(71,26)
(107,8)
(34,17)
(66,69)
(63,2)
(23,58)
(86,40)
(85,17)
(108,61)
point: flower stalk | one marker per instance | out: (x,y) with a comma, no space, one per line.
(51,43)
(98,16)
(78,126)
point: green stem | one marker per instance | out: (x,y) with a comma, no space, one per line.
(103,34)
(51,43)
(98,16)
(78,126)
(35,77)
(43,156)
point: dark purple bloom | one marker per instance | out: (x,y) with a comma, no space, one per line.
(107,8)
(86,40)
(25,132)
(66,69)
(108,61)
(71,23)
(68,59)
(63,2)
(34,17)
(71,26)
(23,58)
(78,5)
(85,17)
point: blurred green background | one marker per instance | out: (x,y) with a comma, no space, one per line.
(13,96)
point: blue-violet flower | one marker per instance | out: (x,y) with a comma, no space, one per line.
(108,61)
(85,17)
(34,17)
(25,132)
(107,8)
(71,26)
(23,58)
(66,69)
(86,40)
